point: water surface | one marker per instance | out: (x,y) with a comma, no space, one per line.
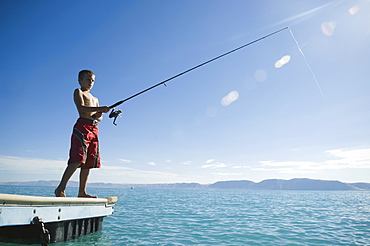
(226,217)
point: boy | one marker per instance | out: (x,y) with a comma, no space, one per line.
(84,151)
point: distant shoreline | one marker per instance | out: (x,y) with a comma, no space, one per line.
(268,184)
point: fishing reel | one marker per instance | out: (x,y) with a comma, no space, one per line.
(114,114)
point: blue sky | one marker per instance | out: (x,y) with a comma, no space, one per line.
(241,117)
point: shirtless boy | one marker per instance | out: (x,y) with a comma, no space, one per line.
(84,151)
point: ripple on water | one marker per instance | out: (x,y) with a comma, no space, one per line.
(200,217)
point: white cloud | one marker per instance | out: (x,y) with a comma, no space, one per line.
(152,163)
(301,164)
(236,167)
(215,165)
(31,165)
(358,158)
(338,162)
(118,174)
(344,159)
(229,174)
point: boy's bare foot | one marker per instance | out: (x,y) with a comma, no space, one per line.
(59,193)
(86,196)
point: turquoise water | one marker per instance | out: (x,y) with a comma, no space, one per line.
(220,217)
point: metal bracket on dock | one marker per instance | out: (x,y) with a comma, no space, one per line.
(44,233)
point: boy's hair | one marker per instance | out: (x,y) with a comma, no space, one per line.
(82,73)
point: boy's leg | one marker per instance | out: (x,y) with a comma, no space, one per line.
(70,169)
(84,175)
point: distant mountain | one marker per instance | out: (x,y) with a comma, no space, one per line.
(39,183)
(268,184)
(234,185)
(364,186)
(187,186)
(303,184)
(109,185)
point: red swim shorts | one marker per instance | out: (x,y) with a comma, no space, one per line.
(85,144)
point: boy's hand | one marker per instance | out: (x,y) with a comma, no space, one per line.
(104,109)
(97,115)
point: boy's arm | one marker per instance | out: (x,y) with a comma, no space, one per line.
(99,114)
(88,106)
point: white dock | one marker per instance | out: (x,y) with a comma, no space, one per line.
(62,218)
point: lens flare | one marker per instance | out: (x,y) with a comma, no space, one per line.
(354,10)
(260,75)
(328,28)
(230,98)
(284,60)
(278,64)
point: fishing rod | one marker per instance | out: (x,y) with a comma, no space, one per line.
(115,113)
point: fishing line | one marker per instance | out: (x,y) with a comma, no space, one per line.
(114,114)
(198,66)
(308,65)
